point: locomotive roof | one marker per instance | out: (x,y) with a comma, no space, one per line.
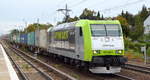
(63,26)
(85,22)
(82,23)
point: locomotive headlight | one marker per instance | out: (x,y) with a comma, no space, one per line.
(96,51)
(118,51)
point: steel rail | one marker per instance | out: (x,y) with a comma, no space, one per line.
(51,68)
(67,78)
(137,68)
(124,77)
(34,66)
(21,73)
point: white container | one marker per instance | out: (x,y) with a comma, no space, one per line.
(41,38)
(14,38)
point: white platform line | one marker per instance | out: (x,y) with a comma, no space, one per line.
(12,72)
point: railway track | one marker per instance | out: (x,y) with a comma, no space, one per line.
(95,77)
(138,68)
(17,67)
(123,77)
(23,74)
(50,69)
(114,75)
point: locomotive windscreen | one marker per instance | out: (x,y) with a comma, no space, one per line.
(105,30)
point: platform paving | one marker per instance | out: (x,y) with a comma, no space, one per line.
(6,70)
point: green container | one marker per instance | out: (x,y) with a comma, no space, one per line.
(10,37)
(18,38)
(31,38)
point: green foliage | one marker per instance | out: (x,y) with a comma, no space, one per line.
(98,16)
(139,29)
(144,13)
(129,44)
(136,29)
(14,31)
(148,51)
(132,25)
(129,17)
(73,19)
(144,38)
(88,14)
(91,15)
(136,46)
(35,26)
(124,24)
(69,20)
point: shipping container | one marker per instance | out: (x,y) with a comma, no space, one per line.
(18,38)
(23,38)
(14,38)
(10,37)
(31,38)
(41,38)
(36,37)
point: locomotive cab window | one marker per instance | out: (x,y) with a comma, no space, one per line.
(113,30)
(98,30)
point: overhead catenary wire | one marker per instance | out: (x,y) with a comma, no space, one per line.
(58,5)
(79,3)
(54,14)
(65,11)
(120,6)
(107,9)
(102,1)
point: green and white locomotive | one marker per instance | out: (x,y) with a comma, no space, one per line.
(96,44)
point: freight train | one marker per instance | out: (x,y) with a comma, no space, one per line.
(94,44)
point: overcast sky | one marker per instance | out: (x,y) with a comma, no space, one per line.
(14,13)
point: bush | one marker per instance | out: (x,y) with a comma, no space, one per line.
(136,46)
(148,51)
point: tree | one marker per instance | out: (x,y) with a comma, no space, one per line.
(129,17)
(102,18)
(88,14)
(14,31)
(35,26)
(138,23)
(144,13)
(124,24)
(122,13)
(139,29)
(73,19)
(98,16)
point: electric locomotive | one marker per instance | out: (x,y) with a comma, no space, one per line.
(96,44)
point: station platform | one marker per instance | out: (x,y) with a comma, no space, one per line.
(7,71)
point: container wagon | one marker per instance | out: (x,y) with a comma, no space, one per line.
(24,38)
(37,41)
(41,41)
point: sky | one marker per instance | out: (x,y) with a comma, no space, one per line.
(15,13)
